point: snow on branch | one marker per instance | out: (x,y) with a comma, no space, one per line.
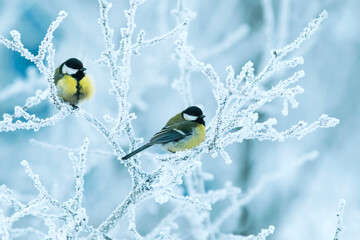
(311,28)
(33,122)
(264,233)
(46,47)
(240,201)
(142,42)
(64,219)
(27,85)
(234,121)
(119,79)
(61,148)
(239,98)
(339,222)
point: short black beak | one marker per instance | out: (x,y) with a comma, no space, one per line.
(202,116)
(82,69)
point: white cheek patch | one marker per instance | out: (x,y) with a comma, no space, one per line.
(69,71)
(189,117)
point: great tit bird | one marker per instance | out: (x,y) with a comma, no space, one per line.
(73,84)
(183,131)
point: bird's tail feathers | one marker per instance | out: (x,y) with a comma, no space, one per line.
(137,151)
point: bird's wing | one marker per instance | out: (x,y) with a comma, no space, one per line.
(168,134)
(57,75)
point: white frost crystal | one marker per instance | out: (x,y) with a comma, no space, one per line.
(239,97)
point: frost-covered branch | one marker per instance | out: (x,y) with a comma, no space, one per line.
(264,181)
(46,52)
(234,123)
(100,127)
(120,75)
(27,85)
(239,98)
(339,220)
(142,42)
(136,196)
(33,122)
(70,218)
(264,233)
(61,148)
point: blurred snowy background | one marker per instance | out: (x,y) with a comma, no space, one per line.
(301,204)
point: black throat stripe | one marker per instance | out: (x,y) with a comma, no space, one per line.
(78,76)
(78,87)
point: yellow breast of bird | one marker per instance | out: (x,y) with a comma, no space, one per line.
(191,141)
(70,92)
(66,87)
(86,88)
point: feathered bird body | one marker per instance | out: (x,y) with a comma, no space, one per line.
(183,131)
(73,85)
(183,136)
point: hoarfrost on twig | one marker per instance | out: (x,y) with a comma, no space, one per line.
(264,233)
(339,220)
(239,97)
(240,201)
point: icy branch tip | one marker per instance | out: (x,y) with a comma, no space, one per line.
(299,60)
(324,14)
(86,141)
(15,34)
(186,21)
(342,204)
(105,4)
(317,21)
(339,222)
(271,229)
(24,163)
(266,232)
(62,13)
(326,121)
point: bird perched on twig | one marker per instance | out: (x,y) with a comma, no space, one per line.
(183,131)
(73,84)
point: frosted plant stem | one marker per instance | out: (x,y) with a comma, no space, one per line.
(182,84)
(264,233)
(118,151)
(265,180)
(121,83)
(339,222)
(236,119)
(42,191)
(61,148)
(24,232)
(141,42)
(184,88)
(137,195)
(278,54)
(166,222)
(132,225)
(46,46)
